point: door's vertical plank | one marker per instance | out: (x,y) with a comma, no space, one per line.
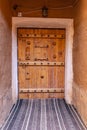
(60,80)
(44,77)
(55,77)
(27,77)
(38,77)
(21,48)
(29,49)
(33,75)
(21,78)
(58,77)
(61,50)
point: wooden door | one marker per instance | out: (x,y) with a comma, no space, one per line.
(41,60)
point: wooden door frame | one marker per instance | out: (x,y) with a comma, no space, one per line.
(44,23)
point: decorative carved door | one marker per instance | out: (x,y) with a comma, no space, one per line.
(41,60)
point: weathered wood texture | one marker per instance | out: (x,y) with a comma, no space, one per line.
(80,58)
(5,60)
(41,54)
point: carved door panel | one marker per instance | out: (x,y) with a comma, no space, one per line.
(41,60)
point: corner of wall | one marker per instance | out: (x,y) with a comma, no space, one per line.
(80,101)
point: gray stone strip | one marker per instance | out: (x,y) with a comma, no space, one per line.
(15,116)
(9,117)
(20,116)
(60,128)
(26,115)
(66,116)
(12,116)
(77,118)
(48,114)
(43,114)
(39,115)
(60,115)
(52,115)
(35,119)
(55,120)
(30,124)
(77,127)
(26,127)
(43,123)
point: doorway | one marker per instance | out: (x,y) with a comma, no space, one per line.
(41,60)
(44,23)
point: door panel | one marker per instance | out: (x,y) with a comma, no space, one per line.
(41,57)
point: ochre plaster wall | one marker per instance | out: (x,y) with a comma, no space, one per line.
(80,59)
(79,55)
(5,60)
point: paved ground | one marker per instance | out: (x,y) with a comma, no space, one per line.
(43,114)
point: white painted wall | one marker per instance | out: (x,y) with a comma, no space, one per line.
(44,23)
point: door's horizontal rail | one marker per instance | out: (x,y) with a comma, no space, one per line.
(59,36)
(42,90)
(21,63)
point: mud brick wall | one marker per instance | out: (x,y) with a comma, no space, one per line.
(80,101)
(5,60)
(80,59)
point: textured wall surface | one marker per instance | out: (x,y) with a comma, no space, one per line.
(79,52)
(34,8)
(5,60)
(80,59)
(80,101)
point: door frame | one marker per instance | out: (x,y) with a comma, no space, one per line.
(44,23)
